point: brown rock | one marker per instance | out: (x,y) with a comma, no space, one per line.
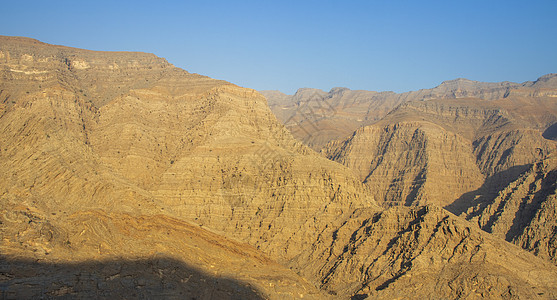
(523,212)
(422,252)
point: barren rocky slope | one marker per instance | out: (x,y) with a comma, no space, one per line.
(123,174)
(436,151)
(165,142)
(523,212)
(422,253)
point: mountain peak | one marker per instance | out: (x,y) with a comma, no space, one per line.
(309,93)
(460,79)
(338,90)
(458,82)
(546,81)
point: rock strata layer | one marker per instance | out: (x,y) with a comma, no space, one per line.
(524,211)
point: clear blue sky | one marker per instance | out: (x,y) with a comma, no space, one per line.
(284,45)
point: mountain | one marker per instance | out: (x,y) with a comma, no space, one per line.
(452,143)
(477,157)
(128,133)
(125,176)
(317,117)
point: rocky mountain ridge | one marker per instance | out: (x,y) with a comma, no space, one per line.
(317,117)
(468,139)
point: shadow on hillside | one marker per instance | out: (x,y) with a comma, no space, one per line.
(551,132)
(487,192)
(158,278)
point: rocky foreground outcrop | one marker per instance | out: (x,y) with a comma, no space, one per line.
(100,254)
(126,176)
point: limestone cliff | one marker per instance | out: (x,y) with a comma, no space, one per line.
(177,142)
(410,163)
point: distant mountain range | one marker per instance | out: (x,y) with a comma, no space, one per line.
(317,117)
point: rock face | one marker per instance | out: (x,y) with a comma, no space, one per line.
(524,212)
(450,145)
(124,175)
(419,253)
(410,163)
